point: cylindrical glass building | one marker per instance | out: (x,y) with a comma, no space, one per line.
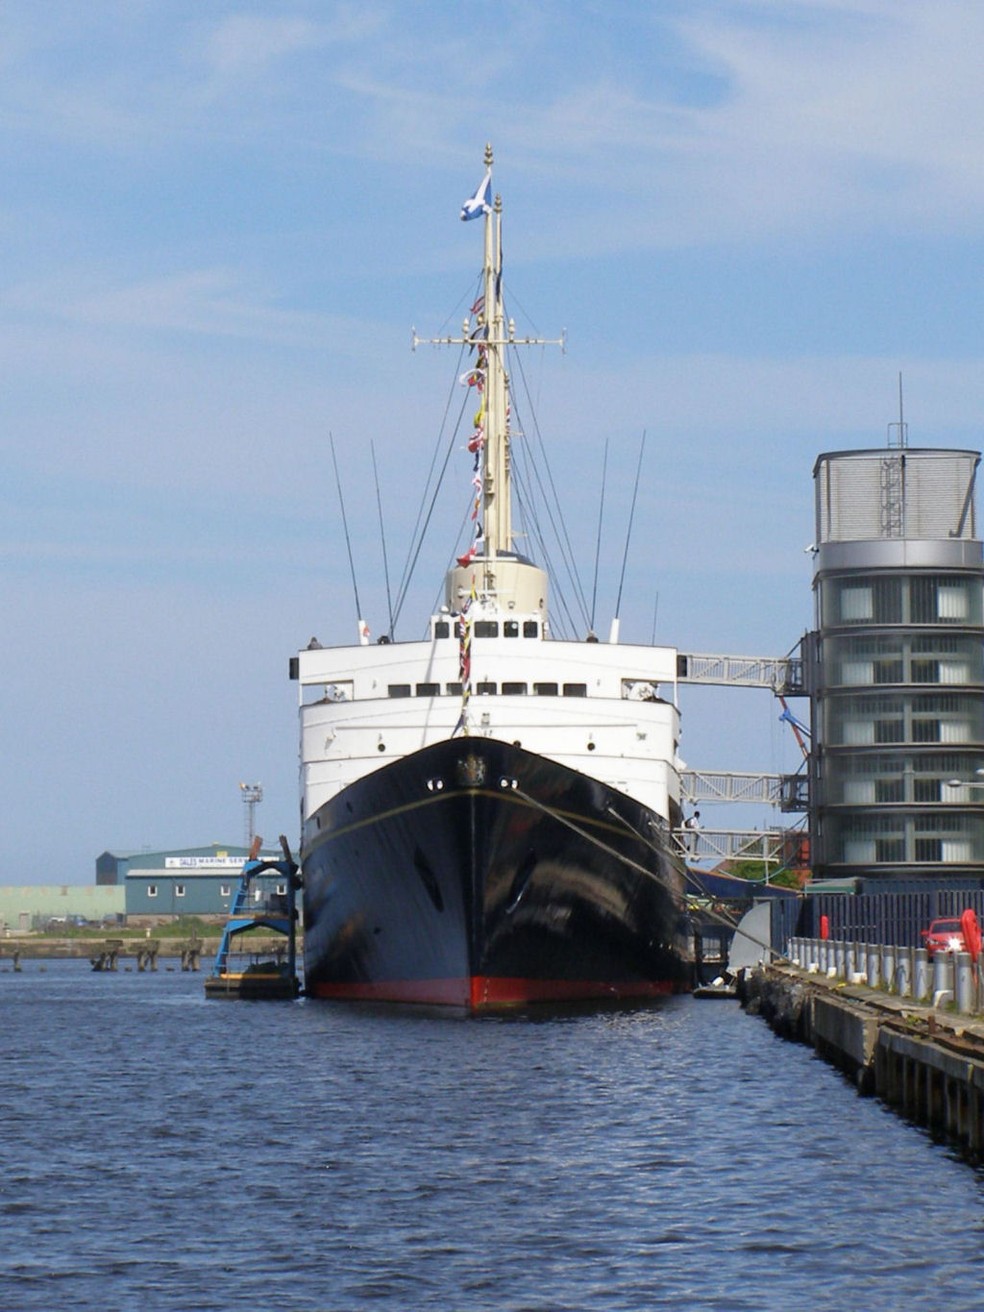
(896,666)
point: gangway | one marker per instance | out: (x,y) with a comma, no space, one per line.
(780,674)
(770,846)
(786,791)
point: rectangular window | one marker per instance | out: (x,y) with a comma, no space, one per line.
(855,605)
(889,790)
(281,890)
(442,629)
(925,671)
(514,689)
(890,849)
(546,689)
(485,689)
(888,601)
(179,890)
(926,790)
(926,731)
(922,600)
(453,689)
(888,671)
(575,690)
(531,629)
(889,731)
(225,890)
(952,601)
(486,628)
(929,849)
(151,890)
(399,690)
(510,629)
(428,689)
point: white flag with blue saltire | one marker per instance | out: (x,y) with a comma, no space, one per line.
(481,202)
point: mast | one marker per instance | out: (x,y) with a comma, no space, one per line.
(489,334)
(496,490)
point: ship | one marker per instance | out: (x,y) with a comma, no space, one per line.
(490,815)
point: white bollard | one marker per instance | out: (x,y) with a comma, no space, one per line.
(964,984)
(888,967)
(874,966)
(942,973)
(921,974)
(840,958)
(903,973)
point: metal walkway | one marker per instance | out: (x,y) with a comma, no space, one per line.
(773,846)
(782,674)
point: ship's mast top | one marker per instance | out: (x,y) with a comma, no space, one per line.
(488,333)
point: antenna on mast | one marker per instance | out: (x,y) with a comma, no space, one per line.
(901,428)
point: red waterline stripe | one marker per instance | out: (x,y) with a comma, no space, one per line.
(490,991)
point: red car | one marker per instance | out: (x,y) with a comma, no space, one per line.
(944,935)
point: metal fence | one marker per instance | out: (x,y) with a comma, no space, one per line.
(890,917)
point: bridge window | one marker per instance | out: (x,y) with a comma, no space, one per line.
(442,629)
(486,689)
(514,689)
(486,628)
(510,629)
(399,690)
(531,629)
(546,689)
(575,690)
(453,689)
(428,689)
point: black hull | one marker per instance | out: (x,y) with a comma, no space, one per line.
(475,874)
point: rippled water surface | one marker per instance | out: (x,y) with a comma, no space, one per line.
(162,1152)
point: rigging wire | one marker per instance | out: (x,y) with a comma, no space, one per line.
(418,537)
(628,531)
(601,512)
(549,501)
(348,540)
(382,538)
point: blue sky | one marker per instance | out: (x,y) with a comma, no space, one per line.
(219,223)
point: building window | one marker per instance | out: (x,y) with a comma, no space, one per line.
(225,890)
(281,890)
(151,890)
(179,890)
(855,605)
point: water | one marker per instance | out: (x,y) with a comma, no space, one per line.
(162,1152)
